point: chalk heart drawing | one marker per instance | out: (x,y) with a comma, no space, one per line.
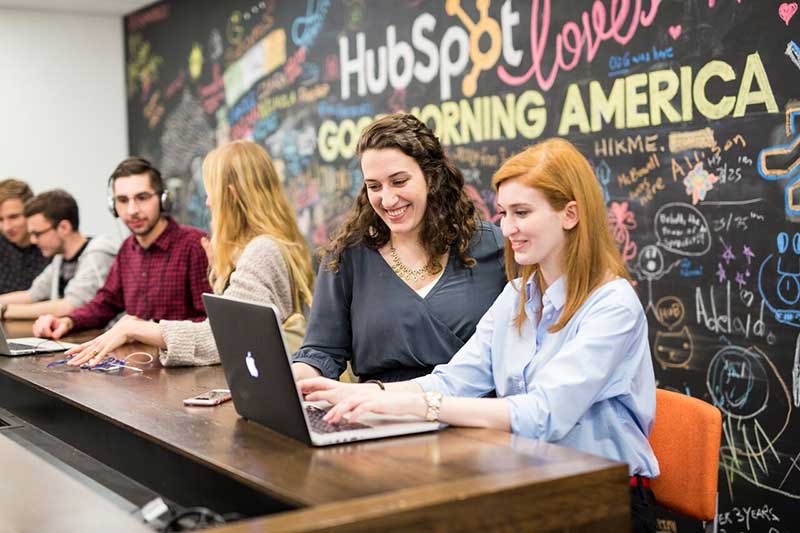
(786,11)
(712,3)
(675,31)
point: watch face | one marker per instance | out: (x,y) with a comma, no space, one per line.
(434,401)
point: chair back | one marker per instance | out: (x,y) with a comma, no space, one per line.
(686,441)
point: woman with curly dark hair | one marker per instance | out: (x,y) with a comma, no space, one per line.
(407,277)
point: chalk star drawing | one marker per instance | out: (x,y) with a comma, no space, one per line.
(698,182)
(748,253)
(727,255)
(721,276)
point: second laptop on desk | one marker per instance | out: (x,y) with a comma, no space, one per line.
(259,373)
(30,346)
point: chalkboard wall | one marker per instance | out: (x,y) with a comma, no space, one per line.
(684,108)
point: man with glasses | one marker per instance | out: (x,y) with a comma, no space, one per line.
(161,270)
(79,267)
(20,261)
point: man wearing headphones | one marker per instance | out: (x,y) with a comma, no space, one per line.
(160,271)
(79,267)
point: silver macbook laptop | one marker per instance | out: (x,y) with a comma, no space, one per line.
(30,345)
(258,369)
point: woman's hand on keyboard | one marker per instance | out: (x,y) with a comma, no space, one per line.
(324,389)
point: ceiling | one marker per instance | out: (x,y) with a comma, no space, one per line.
(91,7)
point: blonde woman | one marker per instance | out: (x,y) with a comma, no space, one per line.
(258,255)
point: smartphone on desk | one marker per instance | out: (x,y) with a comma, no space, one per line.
(212,397)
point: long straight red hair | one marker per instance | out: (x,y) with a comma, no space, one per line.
(558,170)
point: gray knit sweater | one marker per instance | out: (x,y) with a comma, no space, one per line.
(261,276)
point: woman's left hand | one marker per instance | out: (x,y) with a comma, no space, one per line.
(94,351)
(349,409)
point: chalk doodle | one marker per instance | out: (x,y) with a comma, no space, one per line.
(793,51)
(650,266)
(737,381)
(782,297)
(294,142)
(622,221)
(728,254)
(673,348)
(356,13)
(215,45)
(603,173)
(142,65)
(187,136)
(196,61)
(783,161)
(306,28)
(744,384)
(689,270)
(698,182)
(682,229)
(721,274)
(235,29)
(786,11)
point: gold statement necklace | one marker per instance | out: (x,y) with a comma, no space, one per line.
(409,274)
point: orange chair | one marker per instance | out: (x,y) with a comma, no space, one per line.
(686,440)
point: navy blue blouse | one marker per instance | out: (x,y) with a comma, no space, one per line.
(366,314)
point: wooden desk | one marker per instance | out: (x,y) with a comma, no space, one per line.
(459,478)
(36,496)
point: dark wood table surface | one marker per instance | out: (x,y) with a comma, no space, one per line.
(376,484)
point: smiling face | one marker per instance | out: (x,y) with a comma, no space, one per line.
(536,232)
(396,188)
(12,222)
(47,236)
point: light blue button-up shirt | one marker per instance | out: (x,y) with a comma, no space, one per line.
(589,386)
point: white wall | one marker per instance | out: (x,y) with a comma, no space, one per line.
(62,106)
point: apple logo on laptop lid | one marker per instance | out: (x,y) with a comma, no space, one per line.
(251,365)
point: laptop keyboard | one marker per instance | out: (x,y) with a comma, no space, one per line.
(315,415)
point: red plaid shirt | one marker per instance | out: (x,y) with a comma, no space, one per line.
(162,282)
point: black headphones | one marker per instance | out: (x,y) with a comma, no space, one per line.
(138,165)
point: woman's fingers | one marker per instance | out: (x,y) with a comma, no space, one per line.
(345,406)
(309,385)
(102,351)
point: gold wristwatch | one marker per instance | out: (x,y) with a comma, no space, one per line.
(434,400)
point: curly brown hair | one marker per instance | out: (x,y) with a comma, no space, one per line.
(450,219)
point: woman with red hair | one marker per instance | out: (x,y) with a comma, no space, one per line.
(565,346)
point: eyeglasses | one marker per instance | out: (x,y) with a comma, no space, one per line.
(138,199)
(38,234)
